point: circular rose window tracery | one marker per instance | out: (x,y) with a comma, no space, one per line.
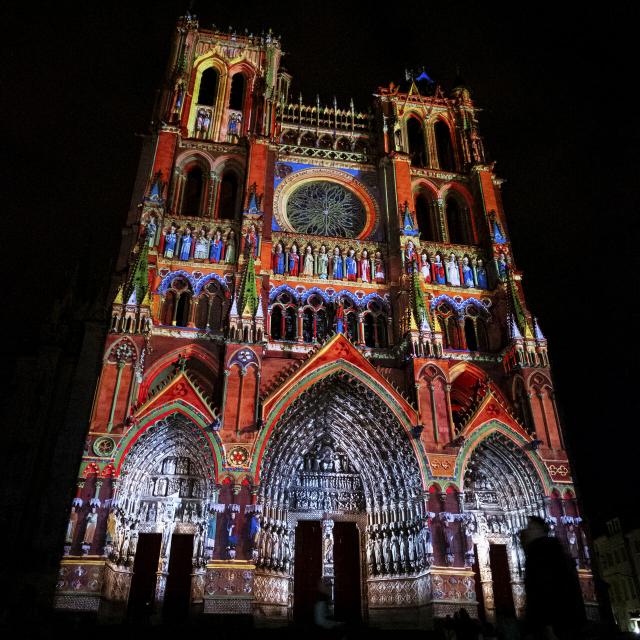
(326,208)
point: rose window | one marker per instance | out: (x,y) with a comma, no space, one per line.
(326,209)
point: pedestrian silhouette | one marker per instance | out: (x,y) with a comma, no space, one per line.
(555,608)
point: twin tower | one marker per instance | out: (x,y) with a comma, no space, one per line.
(320,366)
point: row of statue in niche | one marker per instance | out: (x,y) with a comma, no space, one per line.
(312,263)
(200,244)
(452,270)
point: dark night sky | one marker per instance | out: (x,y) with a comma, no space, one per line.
(558,117)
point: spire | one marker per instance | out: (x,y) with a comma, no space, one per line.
(536,330)
(520,316)
(249,289)
(119,299)
(233,313)
(132,298)
(498,236)
(420,315)
(253,201)
(513,328)
(408,225)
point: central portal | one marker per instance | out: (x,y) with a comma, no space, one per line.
(341,500)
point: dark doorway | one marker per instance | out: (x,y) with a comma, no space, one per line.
(308,569)
(145,567)
(346,554)
(479,592)
(502,594)
(178,592)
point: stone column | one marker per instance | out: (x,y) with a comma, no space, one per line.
(486,579)
(452,429)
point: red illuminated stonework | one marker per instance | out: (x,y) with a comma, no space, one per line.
(320,363)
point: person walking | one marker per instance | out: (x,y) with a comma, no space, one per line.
(555,608)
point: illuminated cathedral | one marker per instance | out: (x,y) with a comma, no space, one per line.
(320,367)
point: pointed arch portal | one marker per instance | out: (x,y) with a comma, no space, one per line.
(159,536)
(339,460)
(501,488)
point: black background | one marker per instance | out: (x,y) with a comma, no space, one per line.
(559,116)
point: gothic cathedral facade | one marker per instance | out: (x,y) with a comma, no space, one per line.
(320,365)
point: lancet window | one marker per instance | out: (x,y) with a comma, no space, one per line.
(176,307)
(446,159)
(450,327)
(458,221)
(284,317)
(193,192)
(236,95)
(475,330)
(417,146)
(208,90)
(427,217)
(314,320)
(212,307)
(228,200)
(375,325)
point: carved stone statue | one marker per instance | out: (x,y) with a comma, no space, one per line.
(92,521)
(71,527)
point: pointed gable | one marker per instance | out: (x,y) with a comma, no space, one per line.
(491,408)
(335,351)
(179,388)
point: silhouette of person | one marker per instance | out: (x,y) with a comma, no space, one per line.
(325,625)
(555,608)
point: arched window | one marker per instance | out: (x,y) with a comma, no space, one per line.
(522,406)
(308,325)
(425,214)
(417,147)
(284,317)
(375,324)
(308,140)
(228,201)
(314,319)
(449,324)
(321,325)
(483,337)
(276,323)
(290,137)
(369,331)
(470,334)
(176,308)
(352,325)
(444,147)
(475,329)
(290,322)
(193,193)
(457,222)
(211,307)
(183,309)
(168,308)
(236,95)
(208,87)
